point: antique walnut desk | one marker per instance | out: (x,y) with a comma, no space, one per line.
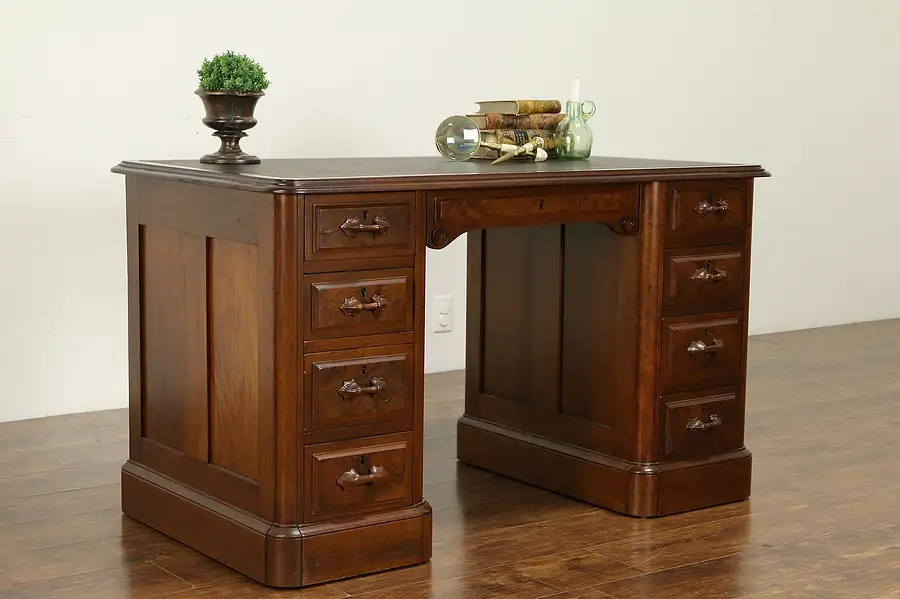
(276,346)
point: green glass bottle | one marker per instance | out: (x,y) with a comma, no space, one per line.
(573,138)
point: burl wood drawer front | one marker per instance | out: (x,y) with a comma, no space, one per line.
(356,387)
(360,303)
(705,213)
(452,212)
(364,225)
(701,424)
(358,476)
(701,351)
(703,280)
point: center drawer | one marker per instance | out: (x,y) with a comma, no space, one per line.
(349,304)
(358,476)
(458,210)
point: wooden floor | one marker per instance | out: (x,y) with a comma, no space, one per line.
(824,519)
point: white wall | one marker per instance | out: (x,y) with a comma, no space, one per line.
(807,88)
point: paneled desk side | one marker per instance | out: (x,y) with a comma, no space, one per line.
(276,345)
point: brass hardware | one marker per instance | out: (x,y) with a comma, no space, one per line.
(709,275)
(699,347)
(351,389)
(353,226)
(352,479)
(705,206)
(353,306)
(695,424)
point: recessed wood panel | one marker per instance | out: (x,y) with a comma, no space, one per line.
(234,357)
(599,319)
(173,296)
(522,277)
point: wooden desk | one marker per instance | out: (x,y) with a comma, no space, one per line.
(276,346)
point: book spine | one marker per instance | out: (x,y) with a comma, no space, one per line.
(541,120)
(539,106)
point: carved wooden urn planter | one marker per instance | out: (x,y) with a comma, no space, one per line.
(229,114)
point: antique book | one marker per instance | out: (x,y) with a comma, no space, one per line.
(518,106)
(538,120)
(514,137)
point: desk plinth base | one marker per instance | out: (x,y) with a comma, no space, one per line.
(272,554)
(604,481)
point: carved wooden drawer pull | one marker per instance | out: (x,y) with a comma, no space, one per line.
(353,306)
(352,479)
(709,275)
(695,424)
(705,207)
(354,226)
(699,347)
(351,389)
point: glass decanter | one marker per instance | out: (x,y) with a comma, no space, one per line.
(573,138)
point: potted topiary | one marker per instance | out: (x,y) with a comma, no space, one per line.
(230,86)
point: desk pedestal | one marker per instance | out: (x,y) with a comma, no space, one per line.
(610,367)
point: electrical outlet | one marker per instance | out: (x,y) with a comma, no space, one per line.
(442,313)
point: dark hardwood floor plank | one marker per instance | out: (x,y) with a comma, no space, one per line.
(196,568)
(27,463)
(72,559)
(438,448)
(114,452)
(65,503)
(139,580)
(247,589)
(66,529)
(491,583)
(588,593)
(15,489)
(852,564)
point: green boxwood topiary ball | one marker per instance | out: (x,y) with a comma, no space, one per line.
(232,72)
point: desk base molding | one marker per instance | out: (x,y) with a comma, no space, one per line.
(273,554)
(640,490)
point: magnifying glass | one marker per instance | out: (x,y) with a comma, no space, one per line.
(458,138)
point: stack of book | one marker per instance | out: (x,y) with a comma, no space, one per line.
(515,122)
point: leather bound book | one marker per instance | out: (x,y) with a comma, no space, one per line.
(518,106)
(539,120)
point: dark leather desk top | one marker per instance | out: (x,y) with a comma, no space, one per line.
(433,172)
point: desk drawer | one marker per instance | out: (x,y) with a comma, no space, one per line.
(358,476)
(364,225)
(706,213)
(357,387)
(360,303)
(703,279)
(701,351)
(701,424)
(452,212)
